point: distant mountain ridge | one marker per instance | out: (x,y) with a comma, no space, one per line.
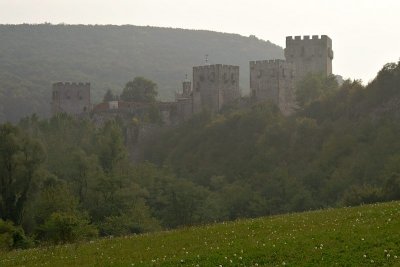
(34,56)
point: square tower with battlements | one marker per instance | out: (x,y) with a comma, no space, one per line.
(70,98)
(310,55)
(214,86)
(273,80)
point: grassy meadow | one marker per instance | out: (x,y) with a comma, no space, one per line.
(361,236)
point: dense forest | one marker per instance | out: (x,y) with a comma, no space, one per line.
(340,148)
(34,56)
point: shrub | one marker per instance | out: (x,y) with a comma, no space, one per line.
(135,221)
(64,227)
(365,194)
(392,187)
(12,237)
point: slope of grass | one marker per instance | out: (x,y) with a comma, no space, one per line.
(361,236)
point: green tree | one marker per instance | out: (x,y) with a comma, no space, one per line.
(20,160)
(185,200)
(313,87)
(135,220)
(54,196)
(140,90)
(108,96)
(110,146)
(64,227)
(12,236)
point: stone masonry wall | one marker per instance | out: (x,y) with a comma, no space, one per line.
(214,86)
(273,80)
(309,54)
(71,98)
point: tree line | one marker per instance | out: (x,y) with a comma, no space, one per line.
(340,148)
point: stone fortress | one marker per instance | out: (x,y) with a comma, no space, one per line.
(215,86)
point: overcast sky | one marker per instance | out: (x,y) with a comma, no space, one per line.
(365,33)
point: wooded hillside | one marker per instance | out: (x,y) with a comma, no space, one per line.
(34,56)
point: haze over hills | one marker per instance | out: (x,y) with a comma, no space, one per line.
(34,56)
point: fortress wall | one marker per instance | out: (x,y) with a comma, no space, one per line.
(214,86)
(273,80)
(71,98)
(310,54)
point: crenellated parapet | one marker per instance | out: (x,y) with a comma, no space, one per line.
(71,84)
(306,38)
(267,62)
(216,66)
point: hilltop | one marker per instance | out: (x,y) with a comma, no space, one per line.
(360,236)
(34,56)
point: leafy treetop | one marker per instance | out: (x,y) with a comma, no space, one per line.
(140,90)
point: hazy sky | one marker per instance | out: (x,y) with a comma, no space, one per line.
(365,33)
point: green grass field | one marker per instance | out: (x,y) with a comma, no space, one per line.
(361,236)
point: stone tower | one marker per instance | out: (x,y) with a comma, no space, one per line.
(71,98)
(186,87)
(274,80)
(214,86)
(309,54)
(184,101)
